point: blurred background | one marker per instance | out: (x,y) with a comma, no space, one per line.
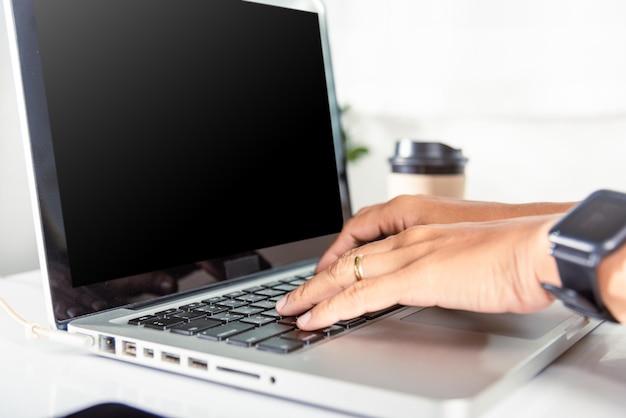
(533,92)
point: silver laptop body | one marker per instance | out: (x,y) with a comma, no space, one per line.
(183,150)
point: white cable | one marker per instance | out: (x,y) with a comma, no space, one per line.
(34,331)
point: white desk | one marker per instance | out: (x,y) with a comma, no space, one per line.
(42,379)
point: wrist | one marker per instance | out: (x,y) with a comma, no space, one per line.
(611,275)
(533,263)
(585,241)
(546,268)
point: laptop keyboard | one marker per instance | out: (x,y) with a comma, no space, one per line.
(247,318)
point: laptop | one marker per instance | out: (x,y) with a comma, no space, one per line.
(187,170)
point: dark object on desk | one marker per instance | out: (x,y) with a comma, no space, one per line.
(112,409)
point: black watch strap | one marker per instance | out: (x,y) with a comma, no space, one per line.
(577,293)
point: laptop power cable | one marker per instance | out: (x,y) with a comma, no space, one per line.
(34,331)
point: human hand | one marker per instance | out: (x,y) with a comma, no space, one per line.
(389,218)
(493,266)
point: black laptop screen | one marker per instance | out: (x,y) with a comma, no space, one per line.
(182,130)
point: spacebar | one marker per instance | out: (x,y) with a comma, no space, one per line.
(254,336)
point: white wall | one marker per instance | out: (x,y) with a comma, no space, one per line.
(17,236)
(533,91)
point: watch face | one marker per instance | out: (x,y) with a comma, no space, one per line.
(596,224)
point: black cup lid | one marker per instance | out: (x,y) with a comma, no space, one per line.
(427,158)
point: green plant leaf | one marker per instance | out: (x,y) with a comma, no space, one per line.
(354,151)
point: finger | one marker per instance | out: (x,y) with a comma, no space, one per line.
(344,243)
(373,223)
(332,280)
(357,231)
(376,260)
(361,297)
(399,276)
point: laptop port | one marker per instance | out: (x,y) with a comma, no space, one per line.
(107,344)
(194,363)
(130,349)
(170,358)
(239,372)
(148,352)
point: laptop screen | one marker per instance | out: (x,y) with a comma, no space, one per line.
(168,134)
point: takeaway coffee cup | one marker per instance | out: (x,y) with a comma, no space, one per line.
(426,168)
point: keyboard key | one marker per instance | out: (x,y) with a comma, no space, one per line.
(349,323)
(280,345)
(264,304)
(168,312)
(224,331)
(258,320)
(227,317)
(193,327)
(213,300)
(191,306)
(189,316)
(232,303)
(331,330)
(270,292)
(163,323)
(252,337)
(271,284)
(376,314)
(305,337)
(211,309)
(272,313)
(306,276)
(246,311)
(142,319)
(251,298)
(288,320)
(285,287)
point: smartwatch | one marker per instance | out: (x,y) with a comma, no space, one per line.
(586,235)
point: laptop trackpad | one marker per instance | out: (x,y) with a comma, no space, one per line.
(528,326)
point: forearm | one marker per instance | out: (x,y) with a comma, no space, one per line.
(445,210)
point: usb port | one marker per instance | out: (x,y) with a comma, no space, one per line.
(148,352)
(198,364)
(130,349)
(170,358)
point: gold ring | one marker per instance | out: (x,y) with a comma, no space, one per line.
(358,267)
